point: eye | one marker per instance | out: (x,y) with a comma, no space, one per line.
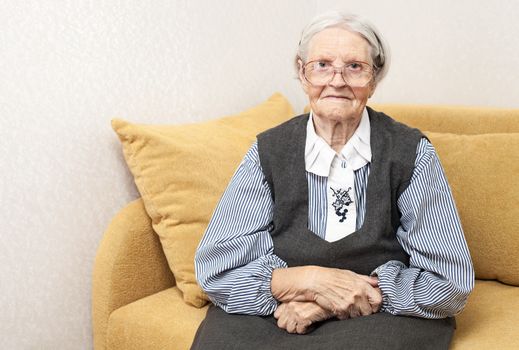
(321,65)
(355,66)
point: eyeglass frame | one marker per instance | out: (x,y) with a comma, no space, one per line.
(372,71)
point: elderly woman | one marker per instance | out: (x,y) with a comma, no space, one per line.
(338,223)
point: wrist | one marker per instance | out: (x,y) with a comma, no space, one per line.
(309,285)
(277,283)
(283,285)
(294,283)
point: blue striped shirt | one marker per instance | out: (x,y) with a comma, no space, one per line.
(235,259)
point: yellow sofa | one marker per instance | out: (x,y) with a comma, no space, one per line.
(137,305)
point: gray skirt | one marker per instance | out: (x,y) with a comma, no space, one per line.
(221,330)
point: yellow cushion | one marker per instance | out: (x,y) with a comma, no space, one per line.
(160,321)
(454,119)
(490,318)
(482,171)
(181,172)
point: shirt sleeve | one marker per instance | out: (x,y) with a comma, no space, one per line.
(235,259)
(440,275)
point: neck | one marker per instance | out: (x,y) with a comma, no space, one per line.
(335,132)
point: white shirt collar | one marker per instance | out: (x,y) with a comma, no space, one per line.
(319,156)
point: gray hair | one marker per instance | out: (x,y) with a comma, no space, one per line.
(379,49)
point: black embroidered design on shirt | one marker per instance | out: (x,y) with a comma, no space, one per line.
(342,200)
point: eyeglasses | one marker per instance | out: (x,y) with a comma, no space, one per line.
(355,74)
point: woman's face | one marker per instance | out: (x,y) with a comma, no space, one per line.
(337,100)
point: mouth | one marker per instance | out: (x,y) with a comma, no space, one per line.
(337,97)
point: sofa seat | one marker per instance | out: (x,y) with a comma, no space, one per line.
(490,319)
(159,321)
(164,321)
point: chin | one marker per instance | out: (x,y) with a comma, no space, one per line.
(337,113)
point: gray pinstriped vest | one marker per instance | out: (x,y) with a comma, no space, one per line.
(281,152)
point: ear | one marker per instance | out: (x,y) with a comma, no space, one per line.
(372,87)
(300,69)
(302,79)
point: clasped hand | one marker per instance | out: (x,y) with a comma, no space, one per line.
(310,294)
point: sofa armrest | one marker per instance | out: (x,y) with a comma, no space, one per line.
(129,265)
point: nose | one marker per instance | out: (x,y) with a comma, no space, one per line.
(338,80)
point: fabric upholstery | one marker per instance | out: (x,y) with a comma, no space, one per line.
(454,119)
(490,318)
(482,172)
(160,321)
(181,172)
(129,265)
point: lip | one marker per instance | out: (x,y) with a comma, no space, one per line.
(337,97)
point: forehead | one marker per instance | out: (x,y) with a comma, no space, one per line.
(338,42)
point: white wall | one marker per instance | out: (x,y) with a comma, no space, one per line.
(68,67)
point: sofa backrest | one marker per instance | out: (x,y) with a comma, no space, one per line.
(454,119)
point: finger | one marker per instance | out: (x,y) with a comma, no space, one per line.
(373,281)
(291,327)
(282,321)
(281,309)
(355,311)
(343,316)
(364,308)
(301,328)
(374,298)
(278,311)
(344,312)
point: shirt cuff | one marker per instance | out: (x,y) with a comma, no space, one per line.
(387,273)
(258,300)
(271,262)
